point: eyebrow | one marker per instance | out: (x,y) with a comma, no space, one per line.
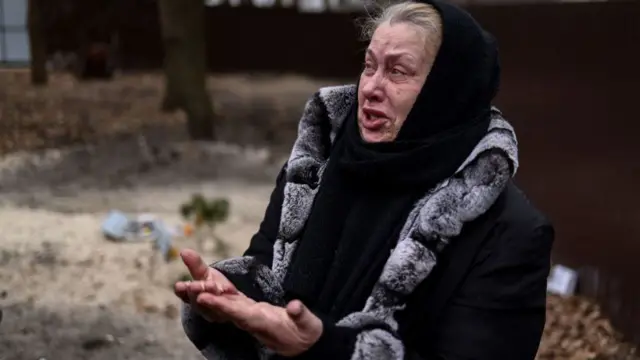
(395,56)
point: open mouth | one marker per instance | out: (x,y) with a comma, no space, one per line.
(373,120)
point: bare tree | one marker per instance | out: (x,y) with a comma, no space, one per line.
(37,43)
(185,65)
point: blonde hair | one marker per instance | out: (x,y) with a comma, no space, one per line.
(423,16)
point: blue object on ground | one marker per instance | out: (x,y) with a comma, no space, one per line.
(116,225)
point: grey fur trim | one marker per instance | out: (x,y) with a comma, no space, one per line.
(261,275)
(306,165)
(282,255)
(499,136)
(377,344)
(328,104)
(338,101)
(309,147)
(236,265)
(296,207)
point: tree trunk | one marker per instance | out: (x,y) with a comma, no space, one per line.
(185,64)
(37,43)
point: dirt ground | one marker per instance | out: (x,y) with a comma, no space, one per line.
(71,152)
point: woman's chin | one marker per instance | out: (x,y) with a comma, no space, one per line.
(373,136)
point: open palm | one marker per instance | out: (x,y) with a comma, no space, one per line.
(288,331)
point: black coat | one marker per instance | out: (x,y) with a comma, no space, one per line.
(484,299)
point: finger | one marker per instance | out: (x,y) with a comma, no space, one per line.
(195,264)
(180,289)
(209,315)
(214,287)
(262,319)
(181,294)
(206,312)
(181,285)
(295,308)
(196,287)
(210,318)
(234,310)
(225,285)
(214,303)
(193,297)
(301,315)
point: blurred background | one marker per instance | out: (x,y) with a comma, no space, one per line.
(132,128)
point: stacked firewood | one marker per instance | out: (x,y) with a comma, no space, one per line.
(576,329)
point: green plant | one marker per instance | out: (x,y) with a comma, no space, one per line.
(207,214)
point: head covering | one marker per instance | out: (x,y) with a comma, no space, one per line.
(368,189)
(463,81)
(450,115)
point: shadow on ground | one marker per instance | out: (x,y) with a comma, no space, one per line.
(28,332)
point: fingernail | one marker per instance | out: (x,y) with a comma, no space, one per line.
(219,289)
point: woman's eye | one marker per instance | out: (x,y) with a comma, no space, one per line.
(369,68)
(397,72)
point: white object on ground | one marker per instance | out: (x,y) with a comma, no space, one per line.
(562,280)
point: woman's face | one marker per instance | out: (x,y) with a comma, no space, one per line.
(397,63)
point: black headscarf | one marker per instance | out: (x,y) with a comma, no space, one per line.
(368,189)
(449,117)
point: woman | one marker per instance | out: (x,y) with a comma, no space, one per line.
(395,230)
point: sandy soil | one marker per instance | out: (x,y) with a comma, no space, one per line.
(67,293)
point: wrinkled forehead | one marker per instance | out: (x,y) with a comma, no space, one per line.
(402,40)
(397,37)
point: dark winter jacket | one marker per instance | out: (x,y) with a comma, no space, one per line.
(464,279)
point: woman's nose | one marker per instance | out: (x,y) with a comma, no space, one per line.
(371,87)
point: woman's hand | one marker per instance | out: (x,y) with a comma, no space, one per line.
(206,279)
(288,331)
